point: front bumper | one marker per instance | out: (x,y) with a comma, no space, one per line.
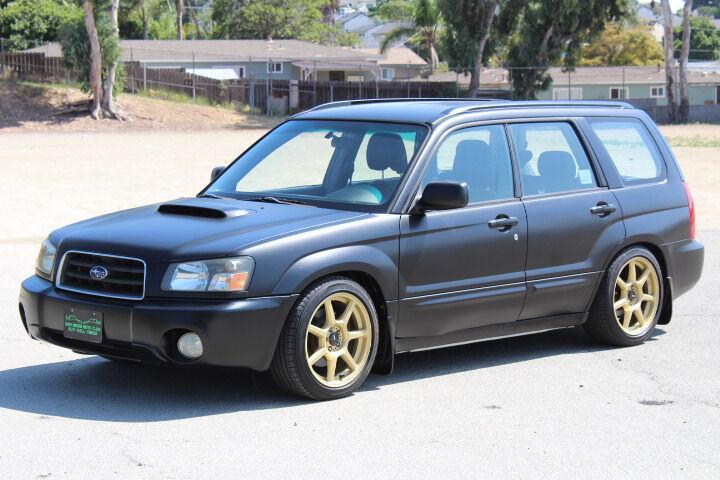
(237,333)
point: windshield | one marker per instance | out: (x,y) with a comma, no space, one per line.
(345,165)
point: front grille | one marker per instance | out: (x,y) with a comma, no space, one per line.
(125,276)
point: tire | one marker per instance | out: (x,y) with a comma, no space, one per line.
(622,313)
(313,340)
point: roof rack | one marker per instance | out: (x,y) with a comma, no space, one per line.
(537,103)
(345,103)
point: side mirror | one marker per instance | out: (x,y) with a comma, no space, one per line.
(216,172)
(442,196)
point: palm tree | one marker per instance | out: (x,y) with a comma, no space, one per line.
(423,28)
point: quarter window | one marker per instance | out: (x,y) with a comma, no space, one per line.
(631,149)
(478,156)
(551,158)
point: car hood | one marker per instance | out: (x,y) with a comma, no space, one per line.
(192,228)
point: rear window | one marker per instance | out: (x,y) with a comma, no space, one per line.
(631,149)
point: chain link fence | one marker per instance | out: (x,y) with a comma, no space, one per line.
(237,82)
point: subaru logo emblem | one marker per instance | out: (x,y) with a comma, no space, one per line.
(98,273)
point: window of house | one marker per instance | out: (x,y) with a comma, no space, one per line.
(619,93)
(631,149)
(657,92)
(387,73)
(274,67)
(565,93)
(478,156)
(551,158)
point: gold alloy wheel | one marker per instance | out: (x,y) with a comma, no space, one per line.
(338,340)
(637,292)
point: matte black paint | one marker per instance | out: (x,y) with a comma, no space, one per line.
(440,277)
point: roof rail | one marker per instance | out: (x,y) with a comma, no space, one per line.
(345,103)
(537,103)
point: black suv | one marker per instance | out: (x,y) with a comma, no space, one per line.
(361,229)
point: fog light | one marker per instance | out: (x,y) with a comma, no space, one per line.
(190,346)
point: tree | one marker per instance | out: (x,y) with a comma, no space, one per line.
(669,44)
(29,23)
(543,33)
(108,89)
(423,20)
(469,24)
(704,39)
(180,12)
(621,46)
(684,110)
(147,19)
(90,46)
(253,19)
(95,69)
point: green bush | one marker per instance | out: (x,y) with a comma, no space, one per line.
(29,23)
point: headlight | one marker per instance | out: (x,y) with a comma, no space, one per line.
(220,275)
(46,259)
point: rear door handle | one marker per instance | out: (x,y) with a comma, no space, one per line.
(603,209)
(503,223)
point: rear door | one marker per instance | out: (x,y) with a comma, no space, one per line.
(461,269)
(574,220)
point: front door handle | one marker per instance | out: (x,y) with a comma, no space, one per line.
(603,209)
(503,223)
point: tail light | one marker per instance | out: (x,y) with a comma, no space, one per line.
(691,205)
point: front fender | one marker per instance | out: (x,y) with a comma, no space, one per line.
(363,258)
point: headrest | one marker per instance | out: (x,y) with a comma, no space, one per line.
(557,164)
(386,150)
(470,153)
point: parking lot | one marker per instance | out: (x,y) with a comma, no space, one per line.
(554,405)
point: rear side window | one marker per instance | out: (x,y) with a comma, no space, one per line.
(631,149)
(551,158)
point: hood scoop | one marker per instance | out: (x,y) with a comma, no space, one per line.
(202,208)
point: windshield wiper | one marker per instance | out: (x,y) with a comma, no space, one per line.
(282,201)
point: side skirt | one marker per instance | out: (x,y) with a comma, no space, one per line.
(490,332)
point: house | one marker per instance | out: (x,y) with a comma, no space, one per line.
(398,63)
(643,85)
(371,32)
(262,60)
(630,83)
(652,18)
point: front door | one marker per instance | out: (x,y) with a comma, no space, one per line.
(574,223)
(464,268)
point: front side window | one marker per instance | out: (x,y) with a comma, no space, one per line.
(629,146)
(551,158)
(337,164)
(477,156)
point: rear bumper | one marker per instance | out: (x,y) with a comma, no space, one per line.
(238,333)
(684,264)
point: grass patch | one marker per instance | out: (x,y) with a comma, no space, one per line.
(694,141)
(180,97)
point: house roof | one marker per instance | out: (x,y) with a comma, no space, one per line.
(222,50)
(499,77)
(396,56)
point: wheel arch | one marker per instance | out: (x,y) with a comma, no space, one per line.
(652,245)
(386,311)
